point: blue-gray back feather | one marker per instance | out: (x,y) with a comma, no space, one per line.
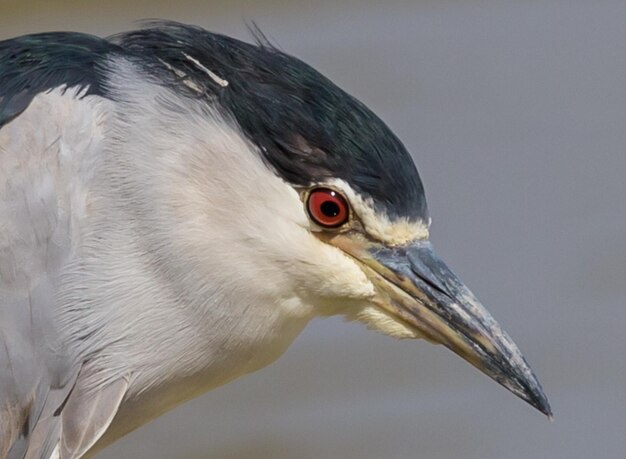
(37,63)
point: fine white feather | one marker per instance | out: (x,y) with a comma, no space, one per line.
(199,265)
(147,254)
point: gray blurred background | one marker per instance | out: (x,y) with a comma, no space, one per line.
(516,115)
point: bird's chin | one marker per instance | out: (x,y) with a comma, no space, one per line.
(378,319)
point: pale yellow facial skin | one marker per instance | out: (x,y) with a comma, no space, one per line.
(353,238)
(378,225)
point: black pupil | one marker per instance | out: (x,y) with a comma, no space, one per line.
(330,208)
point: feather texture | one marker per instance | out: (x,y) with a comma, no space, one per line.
(153,240)
(46,155)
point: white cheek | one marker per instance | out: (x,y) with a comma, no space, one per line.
(243,231)
(335,275)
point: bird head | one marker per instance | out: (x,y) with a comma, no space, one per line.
(306,195)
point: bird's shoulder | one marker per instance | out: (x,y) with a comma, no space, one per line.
(33,64)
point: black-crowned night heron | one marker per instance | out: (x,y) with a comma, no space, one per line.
(176,206)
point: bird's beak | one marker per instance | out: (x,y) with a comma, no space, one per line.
(417,287)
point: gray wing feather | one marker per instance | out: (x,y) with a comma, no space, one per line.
(87,415)
(35,377)
(42,402)
(46,428)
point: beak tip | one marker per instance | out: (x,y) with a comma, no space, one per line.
(545,408)
(543,405)
(538,400)
(424,292)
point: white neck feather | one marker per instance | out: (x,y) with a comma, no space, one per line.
(197,264)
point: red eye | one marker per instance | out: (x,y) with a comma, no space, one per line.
(327,208)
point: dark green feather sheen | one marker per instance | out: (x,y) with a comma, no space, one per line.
(33,64)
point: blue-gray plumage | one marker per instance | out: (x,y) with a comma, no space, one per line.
(177,205)
(34,64)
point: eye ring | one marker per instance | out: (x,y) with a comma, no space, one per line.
(327,207)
